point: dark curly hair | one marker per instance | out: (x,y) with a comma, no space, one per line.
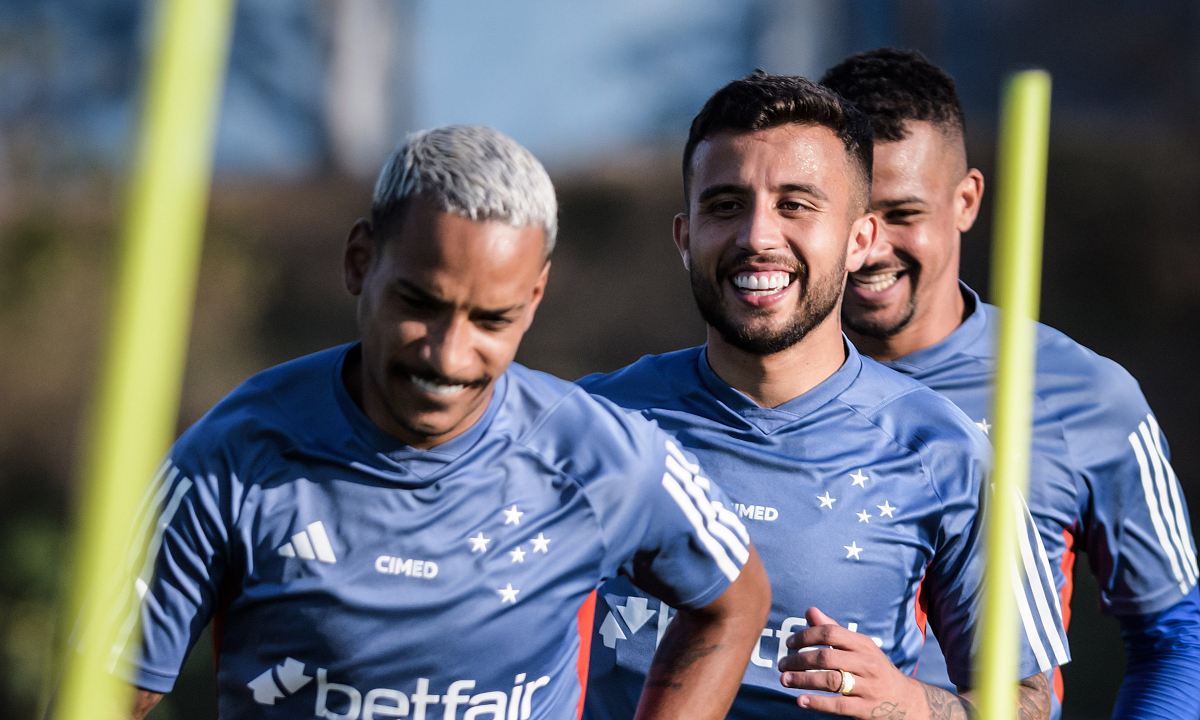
(761,100)
(896,86)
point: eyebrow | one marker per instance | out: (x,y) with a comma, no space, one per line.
(732,189)
(888,204)
(427,296)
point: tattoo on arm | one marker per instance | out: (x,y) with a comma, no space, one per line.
(944,705)
(888,711)
(673,660)
(1033,699)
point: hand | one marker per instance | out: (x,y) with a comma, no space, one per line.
(880,690)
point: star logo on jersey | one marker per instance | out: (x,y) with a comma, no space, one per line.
(518,555)
(289,675)
(311,543)
(852,550)
(541,543)
(826,501)
(984,426)
(479,543)
(886,509)
(859,479)
(508,594)
(512,516)
(864,516)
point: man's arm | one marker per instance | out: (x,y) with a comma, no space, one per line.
(144,702)
(880,690)
(698,667)
(1163,667)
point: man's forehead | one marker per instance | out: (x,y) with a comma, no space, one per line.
(786,153)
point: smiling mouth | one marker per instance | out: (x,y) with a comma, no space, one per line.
(876,281)
(436,388)
(761,284)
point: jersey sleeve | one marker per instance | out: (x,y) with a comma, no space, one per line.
(182,524)
(664,525)
(1134,520)
(954,579)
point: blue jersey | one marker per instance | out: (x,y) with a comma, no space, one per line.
(1100,477)
(863,498)
(350,576)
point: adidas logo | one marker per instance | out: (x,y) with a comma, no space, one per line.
(289,673)
(310,544)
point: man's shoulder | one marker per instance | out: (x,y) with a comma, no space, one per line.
(574,431)
(912,415)
(653,381)
(1067,370)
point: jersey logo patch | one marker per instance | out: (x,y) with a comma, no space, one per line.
(311,543)
(289,674)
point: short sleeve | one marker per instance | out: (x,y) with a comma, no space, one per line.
(183,529)
(953,585)
(664,525)
(1135,521)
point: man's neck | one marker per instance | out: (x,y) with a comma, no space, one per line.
(772,380)
(936,317)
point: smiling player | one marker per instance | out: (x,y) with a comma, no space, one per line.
(1100,480)
(860,487)
(414,526)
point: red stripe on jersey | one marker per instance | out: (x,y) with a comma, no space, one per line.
(1068,570)
(586,614)
(921,606)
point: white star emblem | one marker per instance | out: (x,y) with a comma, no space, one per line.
(852,550)
(512,516)
(479,543)
(508,594)
(518,555)
(859,479)
(541,543)
(885,509)
(864,516)
(984,426)
(827,501)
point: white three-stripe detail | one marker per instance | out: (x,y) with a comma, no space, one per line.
(1185,536)
(1155,516)
(703,516)
(1037,585)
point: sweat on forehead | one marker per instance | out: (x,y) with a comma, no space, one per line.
(761,100)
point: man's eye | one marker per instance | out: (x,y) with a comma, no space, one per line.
(495,324)
(792,205)
(725,206)
(901,217)
(415,303)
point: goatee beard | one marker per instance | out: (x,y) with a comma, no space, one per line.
(818,299)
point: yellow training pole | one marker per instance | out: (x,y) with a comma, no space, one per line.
(138,399)
(1016,280)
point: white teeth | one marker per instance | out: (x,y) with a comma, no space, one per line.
(435,388)
(877,282)
(765,282)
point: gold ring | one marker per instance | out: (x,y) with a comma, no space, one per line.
(847,683)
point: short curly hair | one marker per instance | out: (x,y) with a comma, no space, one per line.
(897,86)
(761,100)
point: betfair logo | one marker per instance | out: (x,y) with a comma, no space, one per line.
(289,674)
(310,544)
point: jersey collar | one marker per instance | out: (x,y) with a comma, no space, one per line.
(965,339)
(770,420)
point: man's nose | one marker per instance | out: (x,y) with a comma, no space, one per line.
(763,230)
(447,347)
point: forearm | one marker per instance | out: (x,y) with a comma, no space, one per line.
(144,702)
(1162,668)
(1033,700)
(698,667)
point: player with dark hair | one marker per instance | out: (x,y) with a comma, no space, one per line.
(1101,480)
(861,487)
(413,525)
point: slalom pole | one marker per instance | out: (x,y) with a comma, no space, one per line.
(1016,281)
(137,400)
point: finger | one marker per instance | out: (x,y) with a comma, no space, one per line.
(824,659)
(815,617)
(827,680)
(833,704)
(825,635)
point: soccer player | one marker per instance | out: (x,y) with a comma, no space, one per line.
(1101,479)
(861,487)
(413,525)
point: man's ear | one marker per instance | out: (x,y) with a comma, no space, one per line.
(360,250)
(679,231)
(539,292)
(968,196)
(863,234)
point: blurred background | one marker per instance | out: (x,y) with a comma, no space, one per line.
(319,91)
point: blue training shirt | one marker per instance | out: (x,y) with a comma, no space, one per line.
(863,498)
(350,576)
(1100,477)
